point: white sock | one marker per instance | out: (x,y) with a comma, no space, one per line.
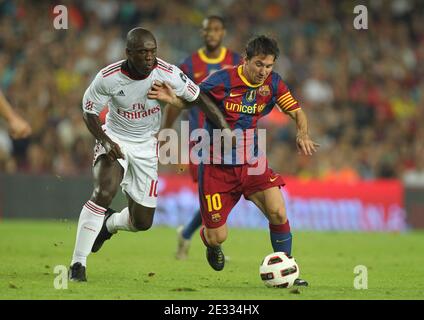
(89,225)
(120,221)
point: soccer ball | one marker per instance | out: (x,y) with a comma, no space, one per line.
(279,270)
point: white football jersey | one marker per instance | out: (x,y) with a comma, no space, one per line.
(132,116)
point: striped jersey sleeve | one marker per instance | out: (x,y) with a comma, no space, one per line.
(285,100)
(184,87)
(96,96)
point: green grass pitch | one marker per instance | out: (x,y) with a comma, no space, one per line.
(142,265)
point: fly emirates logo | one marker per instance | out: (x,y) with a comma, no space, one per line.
(242,108)
(139,112)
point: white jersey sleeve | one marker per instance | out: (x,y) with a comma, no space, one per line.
(96,96)
(184,87)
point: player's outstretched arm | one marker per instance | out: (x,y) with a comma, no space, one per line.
(165,93)
(211,110)
(18,127)
(113,151)
(304,143)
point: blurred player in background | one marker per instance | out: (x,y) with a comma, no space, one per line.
(245,94)
(18,127)
(212,57)
(126,152)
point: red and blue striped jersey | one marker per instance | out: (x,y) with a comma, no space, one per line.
(243,103)
(197,67)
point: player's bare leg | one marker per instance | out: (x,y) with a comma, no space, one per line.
(105,190)
(134,217)
(271,203)
(213,238)
(216,236)
(107,177)
(141,216)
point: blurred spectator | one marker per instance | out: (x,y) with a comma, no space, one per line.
(362,90)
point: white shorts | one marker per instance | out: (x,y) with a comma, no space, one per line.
(140,165)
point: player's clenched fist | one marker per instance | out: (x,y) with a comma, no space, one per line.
(113,151)
(19,128)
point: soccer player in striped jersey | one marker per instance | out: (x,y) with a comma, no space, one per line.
(126,153)
(205,61)
(244,94)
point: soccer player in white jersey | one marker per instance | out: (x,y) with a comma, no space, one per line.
(126,152)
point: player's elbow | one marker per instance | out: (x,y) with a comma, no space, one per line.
(88,116)
(294,114)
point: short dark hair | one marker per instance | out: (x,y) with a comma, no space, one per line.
(262,45)
(218,18)
(138,35)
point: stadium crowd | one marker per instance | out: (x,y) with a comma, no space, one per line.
(363,90)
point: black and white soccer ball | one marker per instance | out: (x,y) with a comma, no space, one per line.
(279,270)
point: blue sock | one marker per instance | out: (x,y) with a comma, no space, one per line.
(192,226)
(281,241)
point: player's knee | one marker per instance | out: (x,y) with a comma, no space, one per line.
(277,215)
(141,222)
(141,217)
(142,225)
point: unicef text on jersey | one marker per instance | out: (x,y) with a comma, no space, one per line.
(211,146)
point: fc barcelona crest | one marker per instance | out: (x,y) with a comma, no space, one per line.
(216,217)
(251,95)
(264,90)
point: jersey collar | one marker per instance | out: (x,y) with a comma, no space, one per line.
(243,78)
(207,60)
(125,70)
